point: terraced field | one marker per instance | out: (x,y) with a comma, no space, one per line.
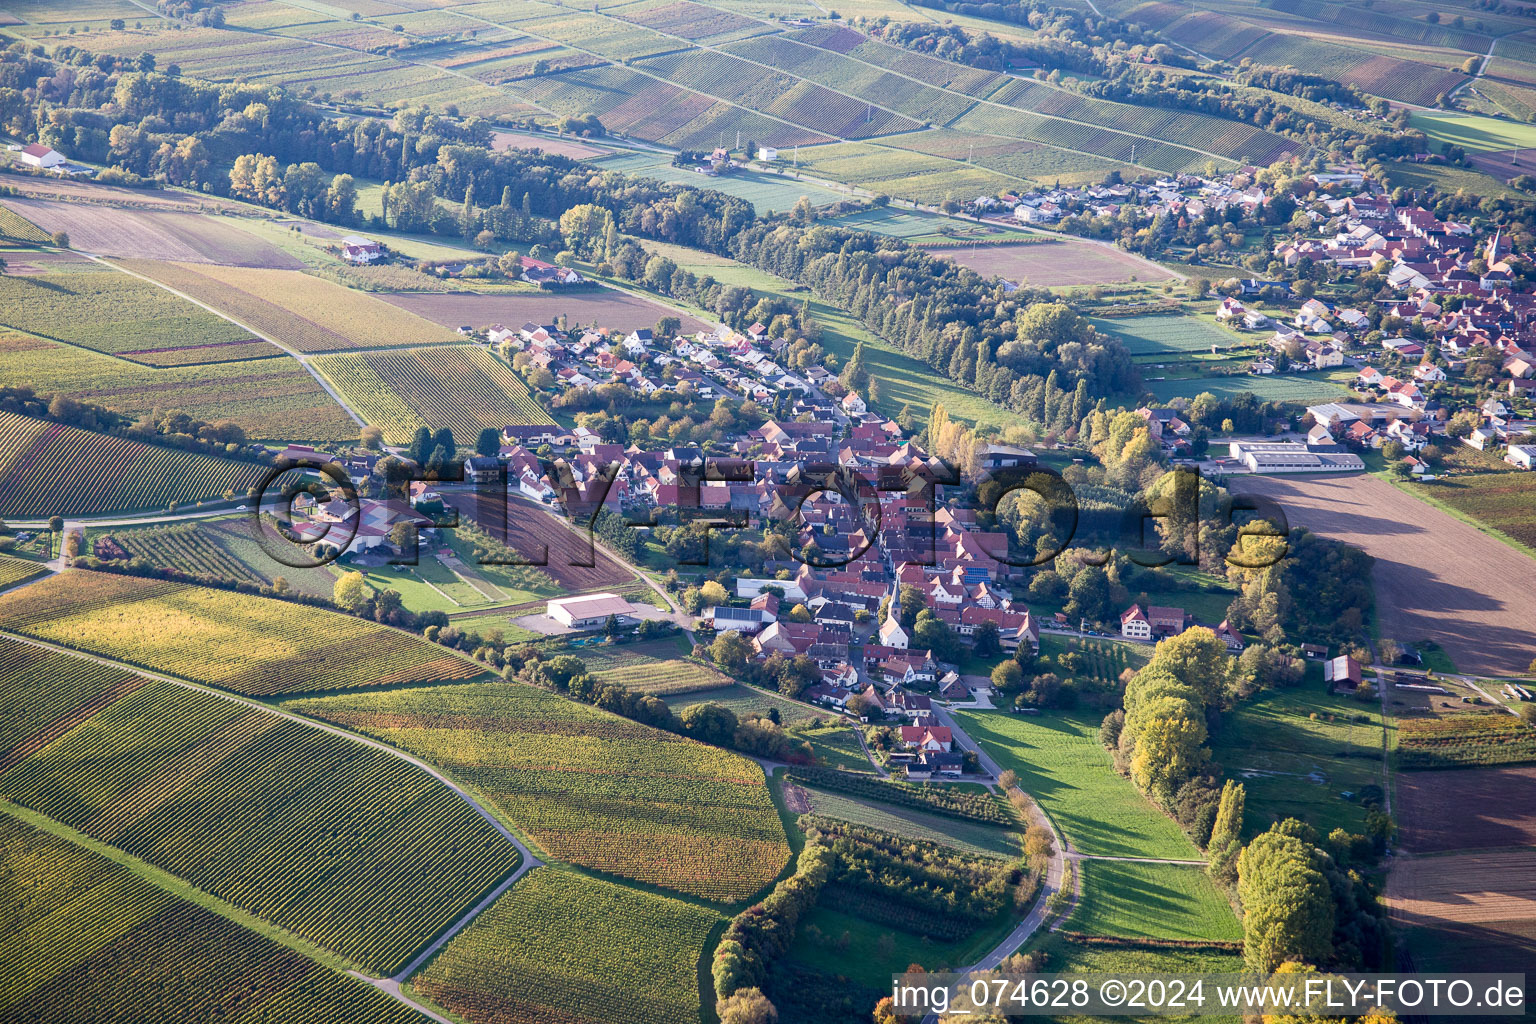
(252,645)
(535,957)
(340,843)
(589,787)
(270,399)
(463,388)
(302,312)
(1061,764)
(41,471)
(122,316)
(84,936)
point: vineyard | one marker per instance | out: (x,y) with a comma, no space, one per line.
(270,399)
(463,388)
(185,547)
(965,805)
(1457,740)
(347,846)
(589,787)
(252,645)
(535,956)
(659,667)
(44,694)
(16,228)
(85,938)
(290,306)
(51,469)
(122,316)
(18,570)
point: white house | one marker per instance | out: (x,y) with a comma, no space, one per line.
(588,611)
(357,249)
(1134,624)
(1522,455)
(853,404)
(42,157)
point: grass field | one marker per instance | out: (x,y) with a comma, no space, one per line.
(342,844)
(80,933)
(768,193)
(970,837)
(1278,387)
(270,399)
(567,947)
(122,316)
(1058,263)
(1296,751)
(589,787)
(661,667)
(1474,133)
(463,388)
(1061,764)
(1170,334)
(40,471)
(1151,901)
(303,312)
(1067,954)
(252,645)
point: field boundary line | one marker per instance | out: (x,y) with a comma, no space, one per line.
(527,858)
(182,891)
(302,358)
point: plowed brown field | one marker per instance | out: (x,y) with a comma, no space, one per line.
(1437,578)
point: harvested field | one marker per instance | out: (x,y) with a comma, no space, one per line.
(1464,895)
(1054,264)
(152,234)
(135,198)
(605,307)
(1436,577)
(1467,911)
(1468,809)
(501,141)
(535,533)
(303,312)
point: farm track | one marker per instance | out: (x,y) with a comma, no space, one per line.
(693,45)
(301,357)
(527,860)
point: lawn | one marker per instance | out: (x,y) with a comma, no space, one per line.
(766,192)
(1065,955)
(1279,387)
(1061,764)
(826,937)
(1296,751)
(1151,901)
(1474,133)
(1157,334)
(971,837)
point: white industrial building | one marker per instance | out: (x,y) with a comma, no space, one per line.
(1292,457)
(588,611)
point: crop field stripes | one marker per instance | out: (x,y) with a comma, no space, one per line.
(27,666)
(98,934)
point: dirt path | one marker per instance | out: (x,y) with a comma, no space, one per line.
(1437,578)
(527,861)
(300,356)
